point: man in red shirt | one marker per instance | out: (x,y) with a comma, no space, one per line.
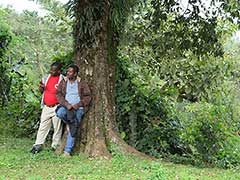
(48,86)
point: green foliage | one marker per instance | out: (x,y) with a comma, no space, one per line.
(5,37)
(65,59)
(231,7)
(20,119)
(156,124)
(194,78)
(198,133)
(157,172)
(210,130)
(143,113)
(194,23)
(87,21)
(157,74)
(5,68)
(13,88)
(190,75)
(120,12)
(38,40)
(36,43)
(170,79)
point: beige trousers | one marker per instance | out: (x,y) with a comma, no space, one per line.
(49,118)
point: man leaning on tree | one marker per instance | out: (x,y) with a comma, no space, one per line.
(74,97)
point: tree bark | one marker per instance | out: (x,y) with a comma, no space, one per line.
(98,128)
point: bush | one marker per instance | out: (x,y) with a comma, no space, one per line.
(210,133)
(19,121)
(145,117)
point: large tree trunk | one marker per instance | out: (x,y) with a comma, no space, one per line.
(98,128)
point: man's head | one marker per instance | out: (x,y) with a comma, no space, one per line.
(55,69)
(72,72)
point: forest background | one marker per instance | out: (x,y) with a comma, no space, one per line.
(174,99)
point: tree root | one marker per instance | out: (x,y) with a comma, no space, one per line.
(125,148)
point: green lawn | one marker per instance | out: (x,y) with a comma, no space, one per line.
(17,163)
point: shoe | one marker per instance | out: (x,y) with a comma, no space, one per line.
(54,147)
(66,154)
(35,149)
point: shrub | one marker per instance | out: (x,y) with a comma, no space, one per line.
(210,132)
(19,121)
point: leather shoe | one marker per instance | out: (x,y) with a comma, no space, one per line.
(35,149)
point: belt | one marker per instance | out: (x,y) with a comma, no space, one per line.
(52,105)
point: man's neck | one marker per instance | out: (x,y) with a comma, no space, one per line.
(72,80)
(55,75)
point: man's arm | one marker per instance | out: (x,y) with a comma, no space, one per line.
(85,95)
(41,87)
(60,95)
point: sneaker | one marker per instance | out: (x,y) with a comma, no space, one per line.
(35,149)
(66,154)
(54,147)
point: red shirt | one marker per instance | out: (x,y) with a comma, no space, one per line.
(49,97)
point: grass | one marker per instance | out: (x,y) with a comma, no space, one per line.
(17,163)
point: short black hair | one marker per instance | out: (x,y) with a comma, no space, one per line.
(57,64)
(75,68)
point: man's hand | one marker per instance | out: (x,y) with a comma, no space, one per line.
(69,107)
(75,106)
(41,87)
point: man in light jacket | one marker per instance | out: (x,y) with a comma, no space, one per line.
(74,97)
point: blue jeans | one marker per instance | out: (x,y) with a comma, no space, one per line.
(62,114)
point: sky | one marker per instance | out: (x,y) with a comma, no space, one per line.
(20,5)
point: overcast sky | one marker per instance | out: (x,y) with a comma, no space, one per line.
(21,5)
